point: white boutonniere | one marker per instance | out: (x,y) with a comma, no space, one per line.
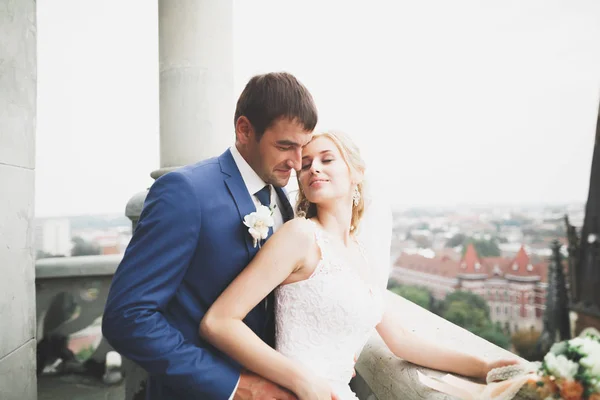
(259,222)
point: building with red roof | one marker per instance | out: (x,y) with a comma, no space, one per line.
(515,288)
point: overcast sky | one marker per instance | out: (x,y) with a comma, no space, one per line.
(452,102)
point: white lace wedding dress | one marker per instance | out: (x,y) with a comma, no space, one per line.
(325,320)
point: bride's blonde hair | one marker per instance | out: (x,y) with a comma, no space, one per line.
(351,155)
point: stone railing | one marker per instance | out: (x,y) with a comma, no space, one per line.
(70,296)
(383,376)
(71,293)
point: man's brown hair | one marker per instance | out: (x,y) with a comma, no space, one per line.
(269,97)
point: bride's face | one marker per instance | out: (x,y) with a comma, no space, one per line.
(324,174)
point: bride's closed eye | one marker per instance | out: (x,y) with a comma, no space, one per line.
(324,161)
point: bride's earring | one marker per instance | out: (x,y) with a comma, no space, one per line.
(356,197)
(302,208)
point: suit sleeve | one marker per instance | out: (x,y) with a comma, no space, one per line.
(149,275)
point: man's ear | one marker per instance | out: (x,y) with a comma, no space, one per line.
(244,132)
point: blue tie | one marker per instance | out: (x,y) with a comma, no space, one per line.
(264,196)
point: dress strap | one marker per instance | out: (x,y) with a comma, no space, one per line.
(321,240)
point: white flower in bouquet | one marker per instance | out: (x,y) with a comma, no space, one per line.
(585,345)
(258,223)
(596,384)
(592,363)
(589,349)
(560,366)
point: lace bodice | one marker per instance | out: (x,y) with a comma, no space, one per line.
(325,320)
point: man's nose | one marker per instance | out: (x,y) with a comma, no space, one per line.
(295,161)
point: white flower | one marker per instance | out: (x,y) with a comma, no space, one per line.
(590,350)
(585,345)
(595,383)
(560,366)
(258,223)
(592,363)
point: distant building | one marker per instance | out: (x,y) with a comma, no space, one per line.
(111,241)
(53,236)
(515,288)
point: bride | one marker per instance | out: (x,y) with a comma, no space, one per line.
(326,299)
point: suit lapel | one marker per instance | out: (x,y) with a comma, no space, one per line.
(239,193)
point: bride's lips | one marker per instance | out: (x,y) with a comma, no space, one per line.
(317,181)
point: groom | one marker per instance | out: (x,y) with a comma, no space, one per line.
(190,243)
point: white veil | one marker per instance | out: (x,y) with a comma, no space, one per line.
(375,230)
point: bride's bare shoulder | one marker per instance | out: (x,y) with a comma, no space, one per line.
(297,240)
(299,228)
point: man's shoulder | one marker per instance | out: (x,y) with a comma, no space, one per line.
(205,167)
(203,172)
(197,179)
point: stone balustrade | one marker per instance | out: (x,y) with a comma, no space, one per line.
(380,374)
(383,376)
(70,296)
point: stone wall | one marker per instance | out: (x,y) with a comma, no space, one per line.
(17,165)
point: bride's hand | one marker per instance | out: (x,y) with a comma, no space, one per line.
(312,387)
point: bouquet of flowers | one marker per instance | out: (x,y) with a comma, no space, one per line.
(570,371)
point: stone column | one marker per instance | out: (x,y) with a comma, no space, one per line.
(196,99)
(18,74)
(196,80)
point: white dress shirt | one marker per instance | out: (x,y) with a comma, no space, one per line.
(253,184)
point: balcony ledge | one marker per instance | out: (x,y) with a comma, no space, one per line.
(77,267)
(383,376)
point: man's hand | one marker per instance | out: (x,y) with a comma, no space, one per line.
(254,387)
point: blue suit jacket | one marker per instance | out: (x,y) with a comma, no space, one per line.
(190,243)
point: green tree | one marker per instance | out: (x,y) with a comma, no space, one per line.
(83,248)
(392,284)
(422,242)
(484,248)
(472,300)
(464,315)
(471,312)
(456,240)
(493,334)
(417,295)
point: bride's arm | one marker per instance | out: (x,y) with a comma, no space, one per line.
(283,255)
(417,350)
